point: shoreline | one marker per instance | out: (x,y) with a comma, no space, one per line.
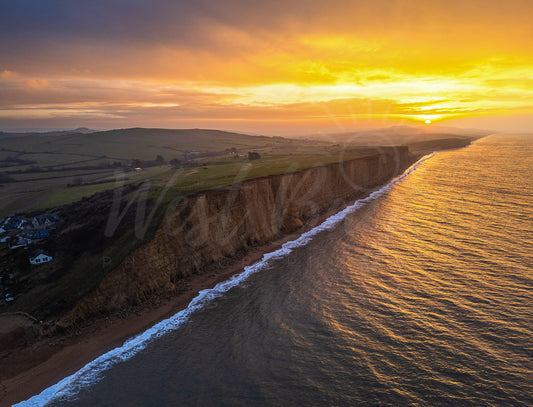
(104,334)
(46,363)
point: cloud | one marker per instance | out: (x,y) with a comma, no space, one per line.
(8,75)
(186,40)
(236,60)
(37,84)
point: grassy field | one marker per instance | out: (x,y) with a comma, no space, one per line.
(221,172)
(67,168)
(144,144)
(42,170)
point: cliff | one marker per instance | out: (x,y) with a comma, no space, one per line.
(210,229)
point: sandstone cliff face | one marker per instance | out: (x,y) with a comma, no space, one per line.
(207,229)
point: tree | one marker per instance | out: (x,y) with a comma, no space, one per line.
(159,159)
(252,155)
(175,162)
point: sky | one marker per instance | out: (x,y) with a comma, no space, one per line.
(269,67)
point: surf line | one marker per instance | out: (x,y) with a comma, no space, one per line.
(89,374)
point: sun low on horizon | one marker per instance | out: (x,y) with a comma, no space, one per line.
(266,67)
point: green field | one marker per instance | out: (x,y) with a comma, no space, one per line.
(42,170)
(222,172)
(66,168)
(139,143)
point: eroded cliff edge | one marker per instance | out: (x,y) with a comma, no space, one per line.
(207,230)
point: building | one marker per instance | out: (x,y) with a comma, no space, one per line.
(39,257)
(10,223)
(35,234)
(25,224)
(44,221)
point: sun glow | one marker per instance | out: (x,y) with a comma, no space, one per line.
(340,66)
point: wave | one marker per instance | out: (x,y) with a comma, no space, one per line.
(88,375)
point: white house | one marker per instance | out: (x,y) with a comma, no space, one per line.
(39,257)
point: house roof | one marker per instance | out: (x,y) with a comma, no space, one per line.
(36,234)
(41,219)
(37,252)
(10,222)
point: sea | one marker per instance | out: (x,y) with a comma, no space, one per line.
(419,295)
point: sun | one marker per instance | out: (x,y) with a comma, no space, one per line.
(428,121)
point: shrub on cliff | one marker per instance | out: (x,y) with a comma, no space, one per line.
(252,155)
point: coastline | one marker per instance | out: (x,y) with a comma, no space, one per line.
(46,363)
(59,360)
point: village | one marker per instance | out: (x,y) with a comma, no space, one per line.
(28,234)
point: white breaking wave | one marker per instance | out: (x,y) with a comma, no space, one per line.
(67,388)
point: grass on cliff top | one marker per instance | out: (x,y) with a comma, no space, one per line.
(36,170)
(42,167)
(221,170)
(227,171)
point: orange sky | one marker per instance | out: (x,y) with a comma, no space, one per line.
(267,67)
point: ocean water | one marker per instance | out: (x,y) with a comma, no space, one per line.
(421,294)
